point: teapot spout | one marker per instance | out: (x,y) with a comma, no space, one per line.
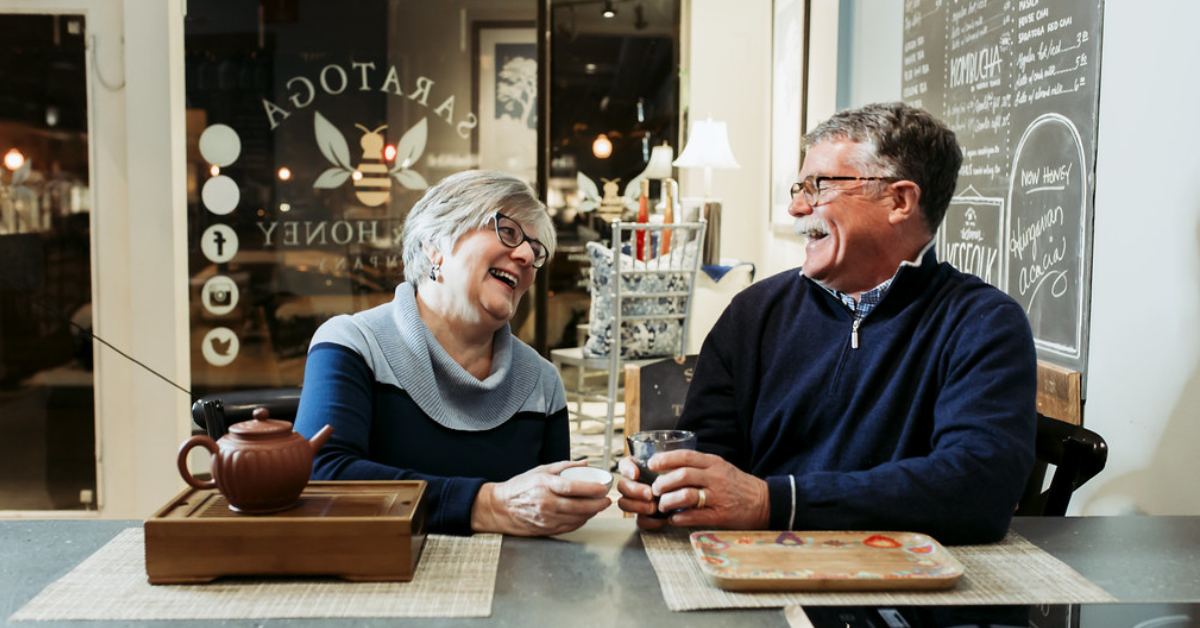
(318,440)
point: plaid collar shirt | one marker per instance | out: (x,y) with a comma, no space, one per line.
(868,300)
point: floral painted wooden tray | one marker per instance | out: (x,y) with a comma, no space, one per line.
(824,561)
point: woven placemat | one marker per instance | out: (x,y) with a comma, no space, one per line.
(1013,571)
(455,577)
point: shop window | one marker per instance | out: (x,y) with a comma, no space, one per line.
(47,409)
(313,127)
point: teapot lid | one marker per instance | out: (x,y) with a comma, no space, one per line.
(260,427)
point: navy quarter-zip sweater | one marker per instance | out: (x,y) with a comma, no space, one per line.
(928,425)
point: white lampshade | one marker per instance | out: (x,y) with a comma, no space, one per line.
(660,163)
(707,147)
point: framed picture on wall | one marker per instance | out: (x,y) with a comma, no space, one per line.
(505,90)
(787,106)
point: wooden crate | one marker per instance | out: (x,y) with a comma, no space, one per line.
(367,531)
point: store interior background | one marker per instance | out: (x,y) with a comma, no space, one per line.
(1143,381)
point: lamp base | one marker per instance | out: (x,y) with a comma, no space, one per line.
(712,234)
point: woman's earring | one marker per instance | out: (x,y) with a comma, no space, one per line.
(434,272)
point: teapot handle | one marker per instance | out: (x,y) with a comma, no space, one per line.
(181,461)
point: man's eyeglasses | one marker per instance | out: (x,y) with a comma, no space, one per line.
(512,235)
(811,186)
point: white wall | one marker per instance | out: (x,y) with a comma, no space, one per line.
(1143,393)
(142,431)
(729,78)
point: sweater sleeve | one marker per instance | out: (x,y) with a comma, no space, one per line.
(966,488)
(710,408)
(338,390)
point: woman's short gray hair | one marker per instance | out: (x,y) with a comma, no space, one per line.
(465,201)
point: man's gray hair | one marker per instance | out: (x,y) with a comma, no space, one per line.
(904,142)
(465,201)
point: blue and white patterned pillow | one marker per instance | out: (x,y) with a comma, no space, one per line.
(639,339)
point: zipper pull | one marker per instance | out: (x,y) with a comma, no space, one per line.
(854,333)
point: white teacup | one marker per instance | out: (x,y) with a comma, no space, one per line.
(588,474)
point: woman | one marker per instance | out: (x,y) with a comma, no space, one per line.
(434,386)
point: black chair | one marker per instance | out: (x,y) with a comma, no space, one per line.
(216,412)
(1077,454)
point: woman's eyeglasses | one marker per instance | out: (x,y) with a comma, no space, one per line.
(512,235)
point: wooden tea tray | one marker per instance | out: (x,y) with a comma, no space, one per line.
(352,530)
(824,561)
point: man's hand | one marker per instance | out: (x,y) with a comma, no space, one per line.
(636,497)
(731,499)
(538,502)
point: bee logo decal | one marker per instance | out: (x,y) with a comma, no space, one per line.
(371,177)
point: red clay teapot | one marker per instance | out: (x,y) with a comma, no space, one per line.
(261,466)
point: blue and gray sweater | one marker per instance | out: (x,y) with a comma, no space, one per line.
(402,409)
(928,425)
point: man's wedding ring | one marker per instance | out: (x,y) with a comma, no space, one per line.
(703,498)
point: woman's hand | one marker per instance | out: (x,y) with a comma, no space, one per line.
(538,502)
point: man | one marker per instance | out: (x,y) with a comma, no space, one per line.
(876,388)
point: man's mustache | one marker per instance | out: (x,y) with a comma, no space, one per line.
(804,224)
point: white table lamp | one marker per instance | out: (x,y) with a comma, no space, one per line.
(707,148)
(660,162)
(659,167)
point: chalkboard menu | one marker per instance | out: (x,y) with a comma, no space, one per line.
(1018,81)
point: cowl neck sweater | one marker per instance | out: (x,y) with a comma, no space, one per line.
(441,387)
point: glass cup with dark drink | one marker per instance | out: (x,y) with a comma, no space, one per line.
(643,445)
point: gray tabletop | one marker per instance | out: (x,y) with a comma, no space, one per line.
(1136,559)
(600,576)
